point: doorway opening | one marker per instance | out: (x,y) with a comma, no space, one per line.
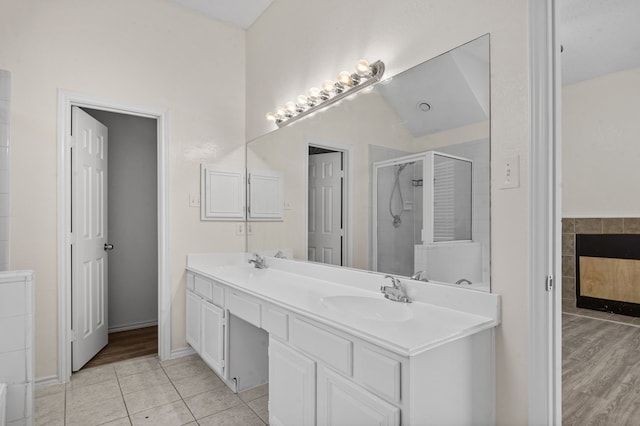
(128,317)
(328,205)
(132,296)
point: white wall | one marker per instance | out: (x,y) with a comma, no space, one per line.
(143,52)
(132,219)
(296,45)
(600,149)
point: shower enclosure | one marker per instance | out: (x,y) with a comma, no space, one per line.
(418,199)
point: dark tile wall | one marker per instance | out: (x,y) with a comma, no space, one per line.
(573,226)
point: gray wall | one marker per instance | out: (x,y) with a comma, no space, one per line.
(132,197)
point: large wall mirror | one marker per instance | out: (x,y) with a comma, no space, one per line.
(393,179)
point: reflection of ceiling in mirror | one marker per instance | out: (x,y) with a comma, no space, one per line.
(457,90)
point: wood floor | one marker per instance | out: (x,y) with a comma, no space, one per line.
(126,345)
(600,372)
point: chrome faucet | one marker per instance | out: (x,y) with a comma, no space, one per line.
(418,276)
(258,262)
(396,291)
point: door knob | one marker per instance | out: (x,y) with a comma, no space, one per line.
(108,247)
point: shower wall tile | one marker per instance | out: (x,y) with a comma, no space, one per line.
(4,228)
(4,205)
(4,157)
(4,181)
(4,112)
(5,85)
(4,134)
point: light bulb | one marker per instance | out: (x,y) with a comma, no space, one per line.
(314,93)
(363,68)
(328,86)
(344,78)
(302,101)
(281,112)
(271,116)
(291,107)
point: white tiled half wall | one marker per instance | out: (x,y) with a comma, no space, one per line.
(5,104)
(16,346)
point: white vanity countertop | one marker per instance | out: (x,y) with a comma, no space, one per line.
(408,329)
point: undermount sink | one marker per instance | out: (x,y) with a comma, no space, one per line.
(369,308)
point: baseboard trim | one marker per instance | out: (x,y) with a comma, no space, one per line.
(47,380)
(133,326)
(177,353)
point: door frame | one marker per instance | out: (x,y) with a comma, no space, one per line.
(66,100)
(347,199)
(545,232)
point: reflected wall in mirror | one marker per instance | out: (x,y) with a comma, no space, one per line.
(394,179)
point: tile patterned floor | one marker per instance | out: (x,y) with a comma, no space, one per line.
(146,391)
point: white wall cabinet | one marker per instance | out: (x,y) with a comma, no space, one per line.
(266,196)
(222,193)
(292,386)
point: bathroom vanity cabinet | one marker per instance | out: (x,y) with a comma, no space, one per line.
(328,367)
(205,329)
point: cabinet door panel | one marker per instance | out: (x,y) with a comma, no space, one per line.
(193,321)
(342,403)
(213,337)
(292,386)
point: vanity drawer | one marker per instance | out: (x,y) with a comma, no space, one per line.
(244,307)
(333,350)
(275,322)
(208,289)
(377,372)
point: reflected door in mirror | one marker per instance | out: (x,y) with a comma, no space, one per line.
(325,201)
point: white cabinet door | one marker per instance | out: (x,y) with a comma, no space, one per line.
(193,321)
(343,403)
(292,386)
(213,337)
(266,195)
(222,194)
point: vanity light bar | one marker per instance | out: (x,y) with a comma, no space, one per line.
(366,74)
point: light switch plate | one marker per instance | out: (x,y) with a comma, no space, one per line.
(510,172)
(194,200)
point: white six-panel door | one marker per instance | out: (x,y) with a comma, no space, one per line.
(89,230)
(325,208)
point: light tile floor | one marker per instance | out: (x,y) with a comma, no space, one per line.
(146,391)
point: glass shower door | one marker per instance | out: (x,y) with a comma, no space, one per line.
(399,214)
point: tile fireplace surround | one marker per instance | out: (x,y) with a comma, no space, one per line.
(602,226)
